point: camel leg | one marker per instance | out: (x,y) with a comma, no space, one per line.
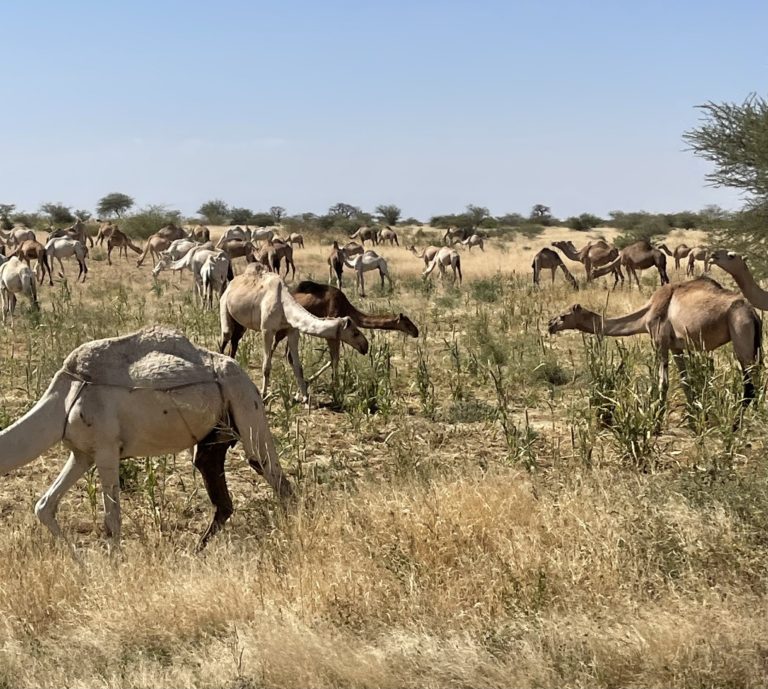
(361,282)
(209,457)
(663,386)
(109,253)
(682,368)
(266,366)
(62,267)
(83,270)
(298,371)
(108,465)
(45,509)
(237,334)
(334,347)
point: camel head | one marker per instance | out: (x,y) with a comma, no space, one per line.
(729,261)
(406,325)
(567,320)
(350,333)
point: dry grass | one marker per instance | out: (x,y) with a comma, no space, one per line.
(480,529)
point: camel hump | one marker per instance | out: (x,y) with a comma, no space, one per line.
(155,357)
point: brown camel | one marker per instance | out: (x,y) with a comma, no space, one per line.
(200,233)
(426,254)
(155,245)
(120,241)
(388,235)
(273,253)
(593,255)
(366,234)
(171,231)
(637,256)
(30,250)
(453,233)
(326,301)
(336,263)
(295,239)
(237,248)
(353,249)
(680,252)
(735,265)
(546,258)
(105,231)
(698,314)
(698,253)
(76,232)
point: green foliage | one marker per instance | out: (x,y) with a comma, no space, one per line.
(277,213)
(262,219)
(30,220)
(241,216)
(149,220)
(58,213)
(389,213)
(345,210)
(215,212)
(5,215)
(584,222)
(542,215)
(114,204)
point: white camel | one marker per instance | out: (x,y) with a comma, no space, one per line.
(365,262)
(15,237)
(469,242)
(260,300)
(295,238)
(265,234)
(426,255)
(64,247)
(148,393)
(16,277)
(234,233)
(214,274)
(442,259)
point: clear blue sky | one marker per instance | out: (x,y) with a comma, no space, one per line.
(430,105)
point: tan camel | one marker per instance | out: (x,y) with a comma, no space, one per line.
(336,263)
(148,393)
(171,231)
(353,249)
(105,232)
(698,253)
(154,247)
(443,258)
(326,301)
(295,238)
(469,242)
(76,232)
(680,252)
(592,255)
(735,265)
(388,235)
(365,263)
(122,242)
(64,247)
(426,255)
(237,248)
(273,253)
(548,259)
(236,232)
(32,250)
(259,300)
(698,314)
(200,233)
(16,277)
(637,256)
(453,233)
(17,235)
(366,234)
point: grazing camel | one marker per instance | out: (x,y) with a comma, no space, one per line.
(122,242)
(64,247)
(680,252)
(366,234)
(16,277)
(426,254)
(698,314)
(295,238)
(200,233)
(17,235)
(259,300)
(154,247)
(353,249)
(388,235)
(592,255)
(735,265)
(273,253)
(237,248)
(443,258)
(469,242)
(637,256)
(698,253)
(453,233)
(32,250)
(364,263)
(546,258)
(76,232)
(193,261)
(326,301)
(215,272)
(171,231)
(148,393)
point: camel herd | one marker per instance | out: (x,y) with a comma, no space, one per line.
(155,392)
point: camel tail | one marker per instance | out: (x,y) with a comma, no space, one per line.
(133,247)
(39,429)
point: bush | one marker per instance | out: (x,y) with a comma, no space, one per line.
(149,220)
(583,222)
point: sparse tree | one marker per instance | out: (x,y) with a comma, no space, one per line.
(345,210)
(277,213)
(240,216)
(477,214)
(57,213)
(5,215)
(388,213)
(83,214)
(541,212)
(214,212)
(114,204)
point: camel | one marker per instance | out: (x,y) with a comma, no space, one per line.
(336,263)
(364,263)
(453,233)
(17,235)
(64,247)
(235,248)
(16,277)
(262,235)
(76,232)
(469,242)
(680,252)
(30,250)
(698,314)
(546,258)
(234,233)
(179,248)
(193,261)
(443,258)
(735,265)
(353,249)
(152,392)
(272,255)
(698,253)
(171,231)
(592,255)
(105,232)
(637,256)
(388,235)
(426,254)
(118,239)
(155,246)
(366,234)
(326,301)
(259,300)
(200,233)
(214,275)
(295,238)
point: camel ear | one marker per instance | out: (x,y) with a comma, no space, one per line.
(576,308)
(731,254)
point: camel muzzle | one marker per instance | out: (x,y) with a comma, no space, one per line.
(553,326)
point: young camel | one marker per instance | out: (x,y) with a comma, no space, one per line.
(593,255)
(469,242)
(326,301)
(32,250)
(64,247)
(699,314)
(366,234)
(388,235)
(443,258)
(698,253)
(637,256)
(680,252)
(16,277)
(215,272)
(426,254)
(364,263)
(548,259)
(148,393)
(120,241)
(259,300)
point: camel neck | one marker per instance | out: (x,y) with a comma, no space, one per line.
(755,294)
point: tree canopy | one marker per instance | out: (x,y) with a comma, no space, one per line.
(389,213)
(114,204)
(215,212)
(58,213)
